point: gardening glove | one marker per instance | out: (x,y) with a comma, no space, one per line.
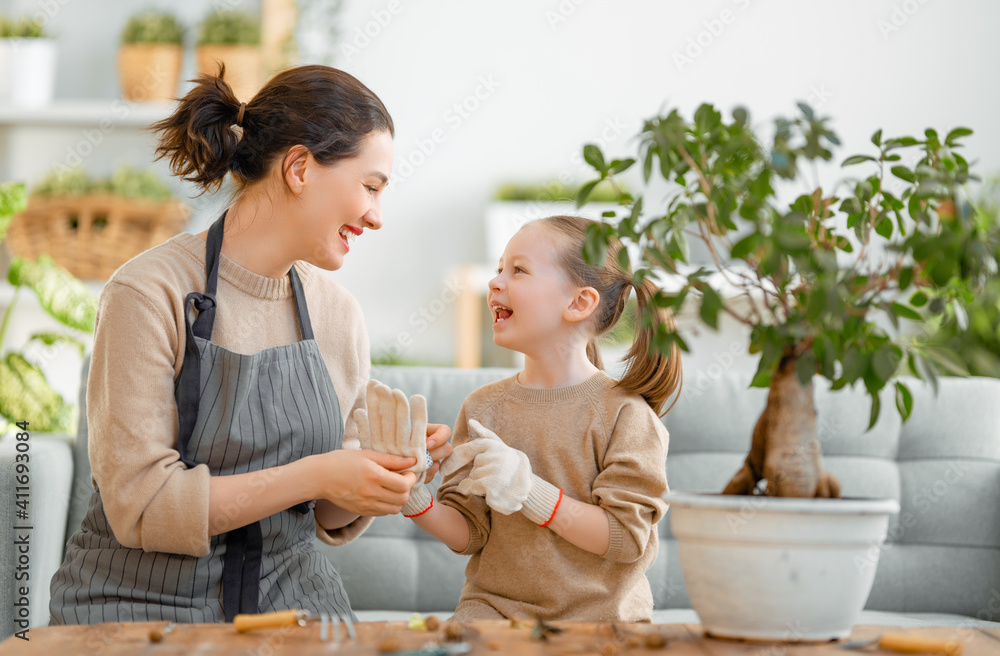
(502,475)
(393,424)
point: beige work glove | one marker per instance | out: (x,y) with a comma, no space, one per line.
(502,475)
(397,425)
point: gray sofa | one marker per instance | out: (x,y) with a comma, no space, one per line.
(940,565)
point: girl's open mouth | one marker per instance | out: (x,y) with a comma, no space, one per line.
(500,313)
(348,235)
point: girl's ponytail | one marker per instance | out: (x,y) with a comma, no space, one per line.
(651,374)
(198,139)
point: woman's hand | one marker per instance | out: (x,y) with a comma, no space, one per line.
(438,446)
(364,482)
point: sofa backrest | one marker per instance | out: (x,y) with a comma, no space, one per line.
(943,466)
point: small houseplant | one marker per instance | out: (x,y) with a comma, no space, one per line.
(232,39)
(828,279)
(27,63)
(150,56)
(25,394)
(92,226)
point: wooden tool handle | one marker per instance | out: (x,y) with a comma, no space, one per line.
(909,644)
(244,623)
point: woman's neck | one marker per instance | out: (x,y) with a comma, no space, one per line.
(557,367)
(254,240)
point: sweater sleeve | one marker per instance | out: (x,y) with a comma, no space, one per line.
(473,507)
(152,500)
(632,481)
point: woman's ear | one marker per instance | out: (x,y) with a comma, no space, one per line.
(583,304)
(294,166)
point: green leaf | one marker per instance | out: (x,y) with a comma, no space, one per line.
(13,200)
(857,159)
(918,299)
(619,165)
(806,110)
(711,305)
(904,401)
(884,363)
(904,173)
(25,395)
(884,227)
(956,134)
(593,156)
(906,312)
(55,338)
(66,299)
(901,142)
(905,277)
(854,364)
(746,246)
(876,408)
(585,189)
(805,367)
(595,245)
(877,138)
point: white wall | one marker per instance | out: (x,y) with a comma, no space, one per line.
(553,75)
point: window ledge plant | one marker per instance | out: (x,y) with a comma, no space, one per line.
(150,56)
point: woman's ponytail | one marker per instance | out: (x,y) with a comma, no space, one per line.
(198,139)
(652,375)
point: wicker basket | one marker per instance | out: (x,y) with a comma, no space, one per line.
(93,235)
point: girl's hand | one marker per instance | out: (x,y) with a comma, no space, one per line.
(438,446)
(364,482)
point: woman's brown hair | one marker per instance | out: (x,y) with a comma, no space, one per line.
(650,374)
(324,109)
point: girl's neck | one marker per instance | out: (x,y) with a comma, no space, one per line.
(556,368)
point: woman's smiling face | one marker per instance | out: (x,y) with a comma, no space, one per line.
(339,201)
(530,291)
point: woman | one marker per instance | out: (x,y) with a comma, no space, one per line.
(217,394)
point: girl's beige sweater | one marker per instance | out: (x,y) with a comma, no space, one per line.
(601,446)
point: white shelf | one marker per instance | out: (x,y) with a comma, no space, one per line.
(73,113)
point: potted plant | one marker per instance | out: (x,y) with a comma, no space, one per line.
(27,63)
(231,39)
(26,398)
(828,280)
(92,226)
(150,56)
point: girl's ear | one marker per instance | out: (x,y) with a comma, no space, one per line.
(583,305)
(294,168)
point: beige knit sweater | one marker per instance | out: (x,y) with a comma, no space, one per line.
(601,446)
(152,500)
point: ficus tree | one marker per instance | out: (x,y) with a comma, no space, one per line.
(827,281)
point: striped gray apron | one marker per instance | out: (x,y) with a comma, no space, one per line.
(237,413)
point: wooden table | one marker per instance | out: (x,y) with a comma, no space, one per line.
(487,638)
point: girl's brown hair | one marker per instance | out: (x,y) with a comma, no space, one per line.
(324,109)
(652,375)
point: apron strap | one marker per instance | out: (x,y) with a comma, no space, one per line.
(242,561)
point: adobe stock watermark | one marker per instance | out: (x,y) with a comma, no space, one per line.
(925,498)
(454,117)
(705,38)
(898,17)
(562,13)
(364,35)
(422,318)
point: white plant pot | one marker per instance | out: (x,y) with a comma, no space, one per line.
(27,72)
(763,568)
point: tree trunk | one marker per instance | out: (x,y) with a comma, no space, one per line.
(785,450)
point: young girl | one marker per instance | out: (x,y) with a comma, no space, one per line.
(557,476)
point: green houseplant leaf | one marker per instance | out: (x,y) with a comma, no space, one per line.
(60,294)
(13,200)
(25,394)
(229,27)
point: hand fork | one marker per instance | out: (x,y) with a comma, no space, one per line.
(243,623)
